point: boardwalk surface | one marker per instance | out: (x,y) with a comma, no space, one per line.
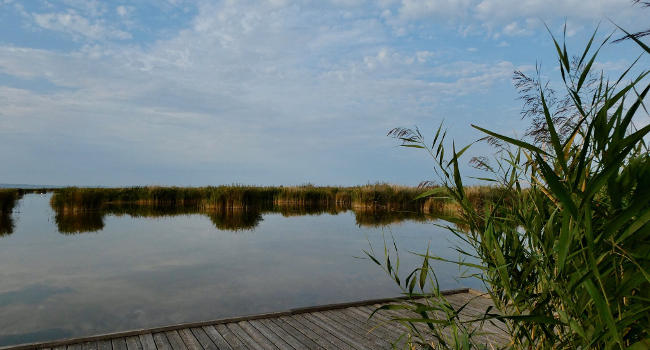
(340,326)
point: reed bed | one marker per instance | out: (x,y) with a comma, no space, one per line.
(385,196)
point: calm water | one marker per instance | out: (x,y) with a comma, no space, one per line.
(137,271)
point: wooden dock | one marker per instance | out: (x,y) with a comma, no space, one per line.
(337,326)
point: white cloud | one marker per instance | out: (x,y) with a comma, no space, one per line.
(416,9)
(506,10)
(73,23)
(245,83)
(512,17)
(124,11)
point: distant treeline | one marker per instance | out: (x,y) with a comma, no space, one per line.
(377,196)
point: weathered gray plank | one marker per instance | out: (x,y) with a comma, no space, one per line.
(230,337)
(359,330)
(243,336)
(278,326)
(162,343)
(189,339)
(62,347)
(338,332)
(371,326)
(74,347)
(204,339)
(401,314)
(257,336)
(386,323)
(133,343)
(104,345)
(322,333)
(175,340)
(90,345)
(277,340)
(217,338)
(119,343)
(147,341)
(292,322)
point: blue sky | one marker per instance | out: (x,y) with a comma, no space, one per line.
(268,92)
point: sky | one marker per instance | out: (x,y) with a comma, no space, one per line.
(271,92)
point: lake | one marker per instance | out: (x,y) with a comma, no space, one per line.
(114,271)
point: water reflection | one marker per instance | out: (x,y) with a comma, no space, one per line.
(6,224)
(8,200)
(224,218)
(187,265)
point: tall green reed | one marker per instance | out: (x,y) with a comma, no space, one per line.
(563,251)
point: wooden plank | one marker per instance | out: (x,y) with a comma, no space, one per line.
(104,345)
(162,343)
(361,330)
(351,330)
(189,339)
(74,347)
(390,334)
(175,340)
(338,332)
(293,323)
(133,343)
(402,314)
(386,322)
(322,333)
(282,342)
(289,333)
(119,344)
(147,342)
(204,339)
(61,347)
(480,338)
(248,341)
(89,345)
(230,337)
(372,326)
(258,336)
(217,338)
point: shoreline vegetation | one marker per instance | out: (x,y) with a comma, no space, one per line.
(385,197)
(239,207)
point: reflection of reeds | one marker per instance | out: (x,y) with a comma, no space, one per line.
(8,200)
(235,219)
(79,222)
(241,207)
(227,218)
(379,218)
